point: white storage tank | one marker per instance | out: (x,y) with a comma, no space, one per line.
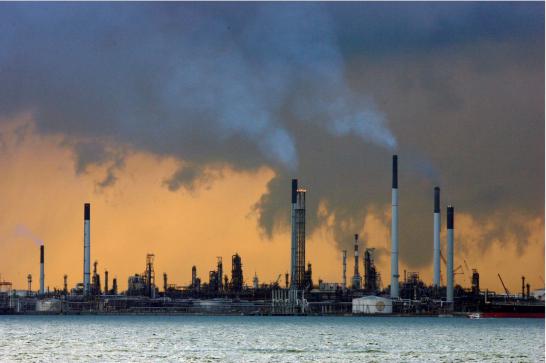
(372,305)
(48,306)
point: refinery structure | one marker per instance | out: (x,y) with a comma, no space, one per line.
(224,291)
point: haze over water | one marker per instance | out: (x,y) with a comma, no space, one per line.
(269,339)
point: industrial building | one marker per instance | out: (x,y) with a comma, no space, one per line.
(223,294)
(297,277)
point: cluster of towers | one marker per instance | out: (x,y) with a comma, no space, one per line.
(394,292)
(371,276)
(300,277)
(218,281)
(370,280)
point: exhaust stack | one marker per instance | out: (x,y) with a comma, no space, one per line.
(106,282)
(344,276)
(42,290)
(394,229)
(293,245)
(437,221)
(357,281)
(449,267)
(86,248)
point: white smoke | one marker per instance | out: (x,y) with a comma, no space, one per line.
(23,231)
(186,81)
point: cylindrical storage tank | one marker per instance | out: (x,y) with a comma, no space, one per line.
(371,305)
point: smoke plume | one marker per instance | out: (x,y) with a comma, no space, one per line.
(23,231)
(322,92)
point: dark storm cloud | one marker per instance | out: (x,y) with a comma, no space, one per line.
(324,92)
(387,28)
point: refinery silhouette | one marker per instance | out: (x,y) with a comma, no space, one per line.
(297,294)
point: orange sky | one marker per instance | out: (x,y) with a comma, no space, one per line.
(40,189)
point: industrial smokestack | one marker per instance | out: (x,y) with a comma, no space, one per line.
(193,277)
(356,275)
(437,221)
(299,223)
(293,234)
(42,290)
(449,267)
(219,273)
(394,229)
(106,282)
(344,276)
(86,248)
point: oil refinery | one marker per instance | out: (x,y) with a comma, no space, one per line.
(220,291)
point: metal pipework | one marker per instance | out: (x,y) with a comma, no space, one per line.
(394,229)
(437,226)
(299,220)
(86,248)
(42,289)
(449,267)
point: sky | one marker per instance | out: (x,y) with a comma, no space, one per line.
(183,123)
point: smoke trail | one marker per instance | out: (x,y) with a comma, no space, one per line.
(24,232)
(309,90)
(184,81)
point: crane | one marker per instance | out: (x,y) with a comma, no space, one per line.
(502,282)
(468,271)
(466,266)
(458,270)
(455,270)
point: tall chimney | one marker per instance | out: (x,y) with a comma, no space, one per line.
(105,282)
(356,276)
(293,261)
(344,276)
(193,277)
(219,273)
(449,267)
(394,229)
(42,290)
(437,221)
(86,248)
(522,287)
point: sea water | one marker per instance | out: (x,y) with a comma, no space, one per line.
(268,339)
